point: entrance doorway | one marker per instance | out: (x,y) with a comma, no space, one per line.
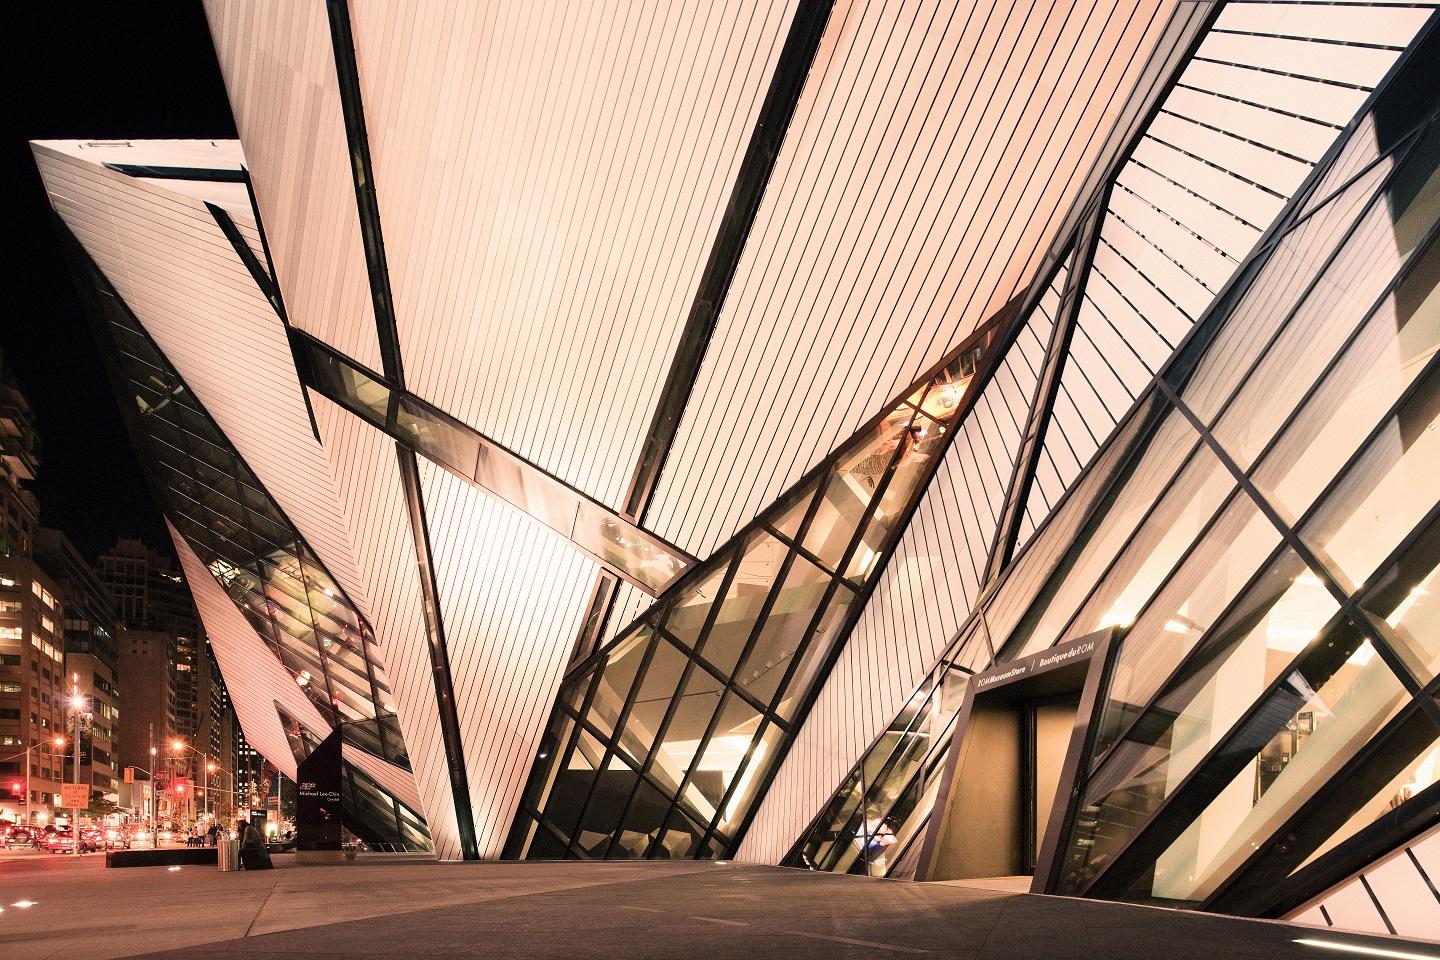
(1019,737)
(1046,728)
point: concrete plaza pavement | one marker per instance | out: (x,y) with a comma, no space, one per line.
(412,908)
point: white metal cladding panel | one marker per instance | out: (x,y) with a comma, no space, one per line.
(168,260)
(1402,884)
(279,72)
(367,479)
(512,595)
(1265,97)
(935,149)
(551,178)
(924,596)
(255,679)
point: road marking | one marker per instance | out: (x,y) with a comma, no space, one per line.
(626,906)
(728,923)
(855,943)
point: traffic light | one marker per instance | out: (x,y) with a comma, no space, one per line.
(17,793)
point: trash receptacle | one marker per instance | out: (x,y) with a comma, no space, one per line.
(227,853)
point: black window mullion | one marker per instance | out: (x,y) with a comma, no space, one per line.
(612,744)
(1169,819)
(1375,201)
(578,726)
(732,686)
(1412,262)
(1320,568)
(1041,409)
(727,681)
(1266,873)
(1398,152)
(1197,652)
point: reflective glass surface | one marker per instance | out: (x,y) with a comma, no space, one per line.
(221,509)
(1384,493)
(1318,718)
(1403,604)
(1251,725)
(879,812)
(1163,741)
(698,699)
(640,557)
(219,506)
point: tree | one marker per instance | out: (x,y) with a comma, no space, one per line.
(100,806)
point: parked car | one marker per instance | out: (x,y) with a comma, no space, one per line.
(60,841)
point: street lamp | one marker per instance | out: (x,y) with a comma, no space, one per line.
(77,706)
(207,767)
(58,755)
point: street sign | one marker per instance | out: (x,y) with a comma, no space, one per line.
(129,774)
(75,795)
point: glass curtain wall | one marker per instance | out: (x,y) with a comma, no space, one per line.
(1274,697)
(876,821)
(220,507)
(1263,532)
(660,741)
(368,810)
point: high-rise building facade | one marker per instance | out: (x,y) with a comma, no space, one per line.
(149,723)
(91,656)
(36,719)
(19,461)
(150,593)
(1002,449)
(165,664)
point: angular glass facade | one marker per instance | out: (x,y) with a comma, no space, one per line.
(662,739)
(875,823)
(215,501)
(1262,532)
(1271,698)
(368,810)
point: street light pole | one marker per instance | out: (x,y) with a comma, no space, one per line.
(75,703)
(154,837)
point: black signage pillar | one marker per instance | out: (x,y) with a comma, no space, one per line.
(317,804)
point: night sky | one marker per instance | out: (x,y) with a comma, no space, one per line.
(102,70)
